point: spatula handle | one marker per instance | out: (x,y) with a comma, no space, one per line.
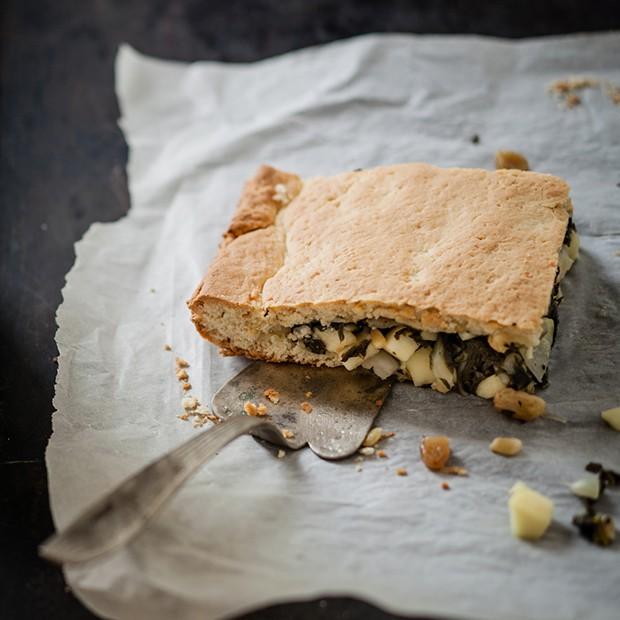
(118,516)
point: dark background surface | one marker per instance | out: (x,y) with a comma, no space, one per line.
(62,166)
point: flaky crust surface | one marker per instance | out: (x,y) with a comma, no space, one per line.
(439,249)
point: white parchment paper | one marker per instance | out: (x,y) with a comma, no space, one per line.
(249,529)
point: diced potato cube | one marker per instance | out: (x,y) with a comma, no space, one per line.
(612,417)
(354,362)
(382,364)
(331,338)
(589,487)
(565,263)
(466,335)
(573,248)
(426,335)
(444,375)
(530,512)
(377,338)
(488,387)
(400,344)
(419,367)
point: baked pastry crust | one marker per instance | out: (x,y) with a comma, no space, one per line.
(441,250)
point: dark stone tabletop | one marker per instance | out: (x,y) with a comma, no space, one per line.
(62,167)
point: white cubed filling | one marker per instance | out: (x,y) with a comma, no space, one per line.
(488,387)
(612,417)
(443,373)
(400,345)
(419,367)
(382,364)
(354,362)
(428,335)
(530,512)
(573,247)
(333,343)
(589,487)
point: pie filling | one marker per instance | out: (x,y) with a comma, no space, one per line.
(443,361)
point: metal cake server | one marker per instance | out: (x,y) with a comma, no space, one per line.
(344,406)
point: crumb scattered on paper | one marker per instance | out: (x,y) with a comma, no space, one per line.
(281,454)
(252,409)
(567,90)
(454,470)
(272,395)
(306,407)
(401,471)
(510,160)
(167,347)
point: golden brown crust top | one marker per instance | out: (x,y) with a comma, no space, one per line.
(433,246)
(262,197)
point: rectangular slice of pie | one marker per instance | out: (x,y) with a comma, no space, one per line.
(445,277)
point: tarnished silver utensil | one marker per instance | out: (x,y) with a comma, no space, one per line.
(343,407)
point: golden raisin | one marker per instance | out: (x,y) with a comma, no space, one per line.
(435,451)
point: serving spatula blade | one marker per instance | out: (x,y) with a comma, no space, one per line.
(329,409)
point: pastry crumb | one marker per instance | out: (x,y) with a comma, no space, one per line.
(272,395)
(250,408)
(435,451)
(287,434)
(454,470)
(182,375)
(567,90)
(366,451)
(167,347)
(401,471)
(202,411)
(382,454)
(281,454)
(308,394)
(613,93)
(189,403)
(181,363)
(306,407)
(186,386)
(261,410)
(510,160)
(445,486)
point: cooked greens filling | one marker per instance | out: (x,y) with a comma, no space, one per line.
(444,361)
